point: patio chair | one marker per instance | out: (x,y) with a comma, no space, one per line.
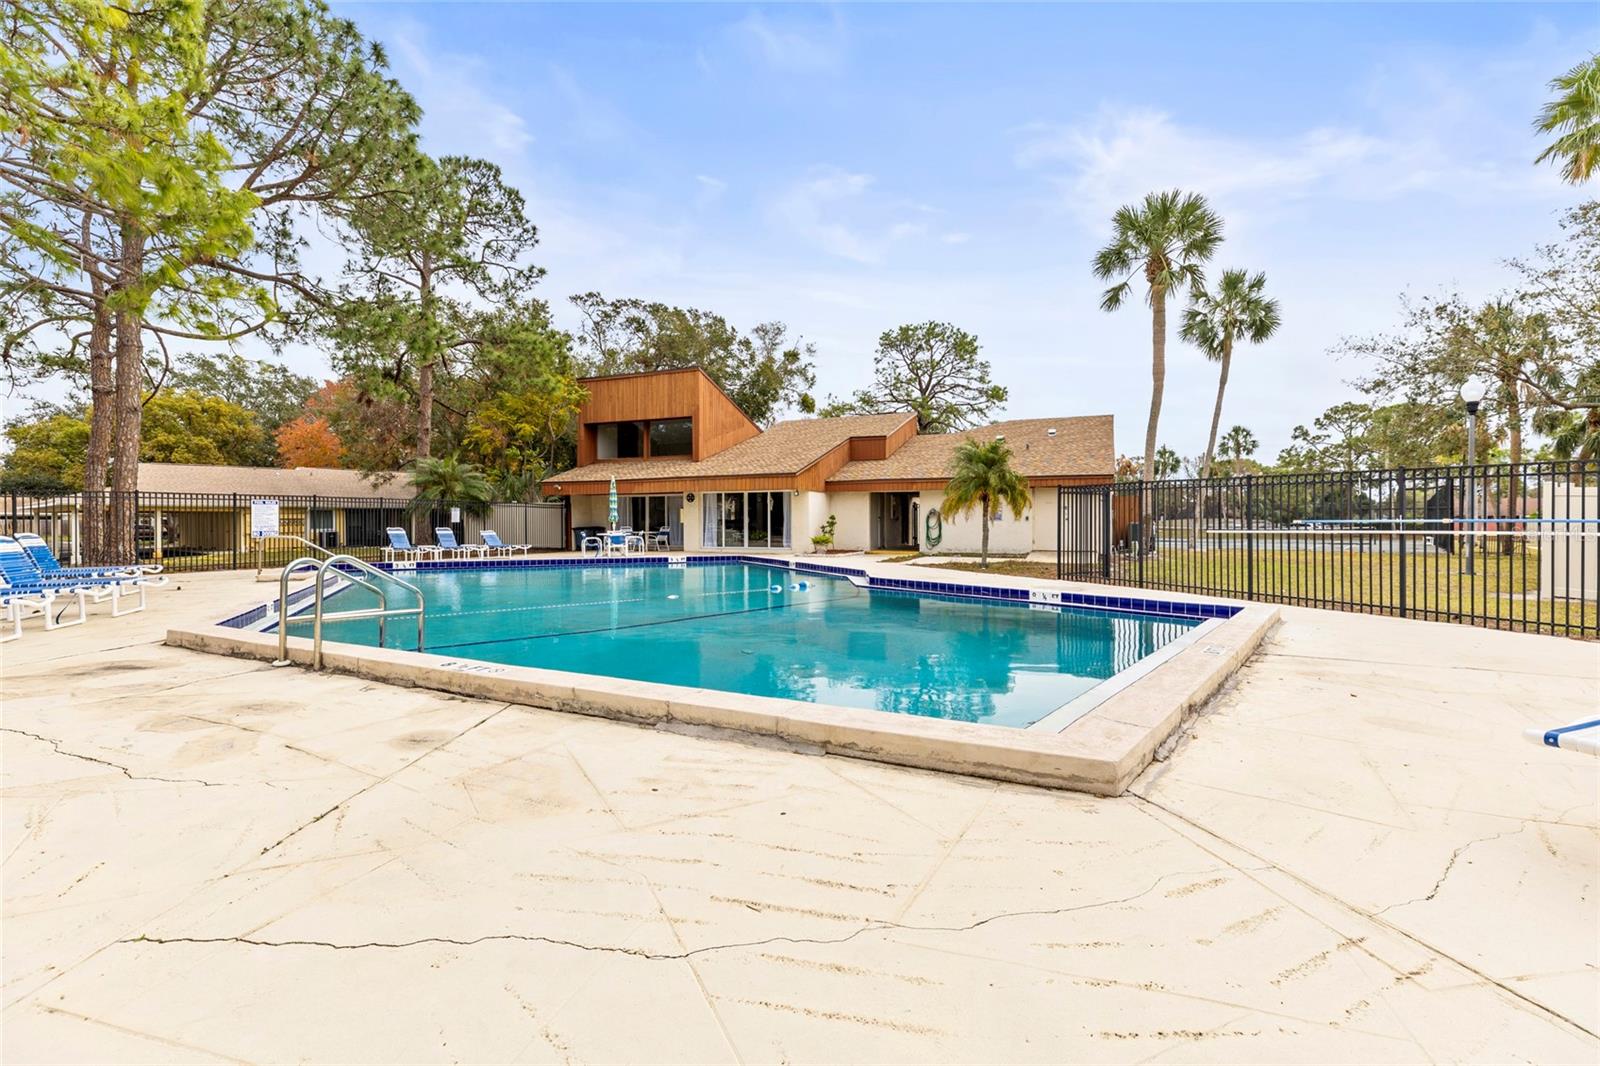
(1579,736)
(492,541)
(22,576)
(400,546)
(50,567)
(661,539)
(618,542)
(592,540)
(447,542)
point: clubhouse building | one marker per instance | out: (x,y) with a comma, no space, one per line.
(687,460)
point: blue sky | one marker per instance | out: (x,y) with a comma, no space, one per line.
(849,168)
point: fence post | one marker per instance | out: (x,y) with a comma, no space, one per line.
(1144,531)
(1105,540)
(1400,498)
(1249,536)
(234,512)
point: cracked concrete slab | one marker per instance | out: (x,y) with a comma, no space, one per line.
(1350,856)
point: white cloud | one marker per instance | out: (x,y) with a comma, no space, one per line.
(448,86)
(1119,154)
(833,209)
(807,209)
(711,190)
(1426,126)
(791,46)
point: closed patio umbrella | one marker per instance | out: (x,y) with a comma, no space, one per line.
(612,502)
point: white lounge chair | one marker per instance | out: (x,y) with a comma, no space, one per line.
(447,542)
(17,603)
(400,547)
(1579,736)
(50,567)
(21,575)
(492,541)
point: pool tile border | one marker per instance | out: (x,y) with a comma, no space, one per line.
(1038,598)
(1100,751)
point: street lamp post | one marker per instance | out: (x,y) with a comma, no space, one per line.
(1472,392)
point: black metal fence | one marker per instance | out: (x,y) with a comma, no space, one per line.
(188,532)
(1509,547)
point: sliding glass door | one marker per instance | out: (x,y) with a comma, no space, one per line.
(746,519)
(651,514)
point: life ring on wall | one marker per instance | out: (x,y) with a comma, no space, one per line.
(933,528)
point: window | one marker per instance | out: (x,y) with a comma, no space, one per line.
(672,436)
(619,440)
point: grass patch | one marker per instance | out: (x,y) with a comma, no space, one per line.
(1503,593)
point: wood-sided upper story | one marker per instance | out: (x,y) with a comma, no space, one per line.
(675,431)
(677,414)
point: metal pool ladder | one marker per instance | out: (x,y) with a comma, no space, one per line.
(341,565)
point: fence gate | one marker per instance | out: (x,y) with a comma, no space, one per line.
(1083,531)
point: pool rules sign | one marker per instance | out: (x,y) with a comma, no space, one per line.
(263,518)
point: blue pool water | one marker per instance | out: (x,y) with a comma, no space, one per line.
(723,627)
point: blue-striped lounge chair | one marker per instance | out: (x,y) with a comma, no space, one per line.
(1579,736)
(22,574)
(24,601)
(50,567)
(447,542)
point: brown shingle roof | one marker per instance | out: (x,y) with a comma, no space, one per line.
(272,481)
(786,448)
(1081,447)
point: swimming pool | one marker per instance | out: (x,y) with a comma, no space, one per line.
(760,630)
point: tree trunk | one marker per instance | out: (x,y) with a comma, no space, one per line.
(102,414)
(102,423)
(984,503)
(121,534)
(425,368)
(424,409)
(1211,441)
(1216,411)
(1514,421)
(1158,375)
(121,539)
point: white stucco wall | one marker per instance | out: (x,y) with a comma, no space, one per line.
(854,510)
(811,510)
(963,534)
(589,510)
(1046,529)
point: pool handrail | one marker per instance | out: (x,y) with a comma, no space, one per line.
(382,612)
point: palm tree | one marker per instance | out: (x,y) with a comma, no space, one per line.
(1168,462)
(1167,238)
(1239,444)
(446,481)
(1236,309)
(1574,116)
(984,478)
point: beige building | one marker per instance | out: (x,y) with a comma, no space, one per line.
(685,459)
(187,507)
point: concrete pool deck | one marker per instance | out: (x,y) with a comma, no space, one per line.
(1350,855)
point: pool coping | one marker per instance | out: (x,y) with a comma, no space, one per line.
(1101,750)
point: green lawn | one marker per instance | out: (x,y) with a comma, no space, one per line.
(1503,593)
